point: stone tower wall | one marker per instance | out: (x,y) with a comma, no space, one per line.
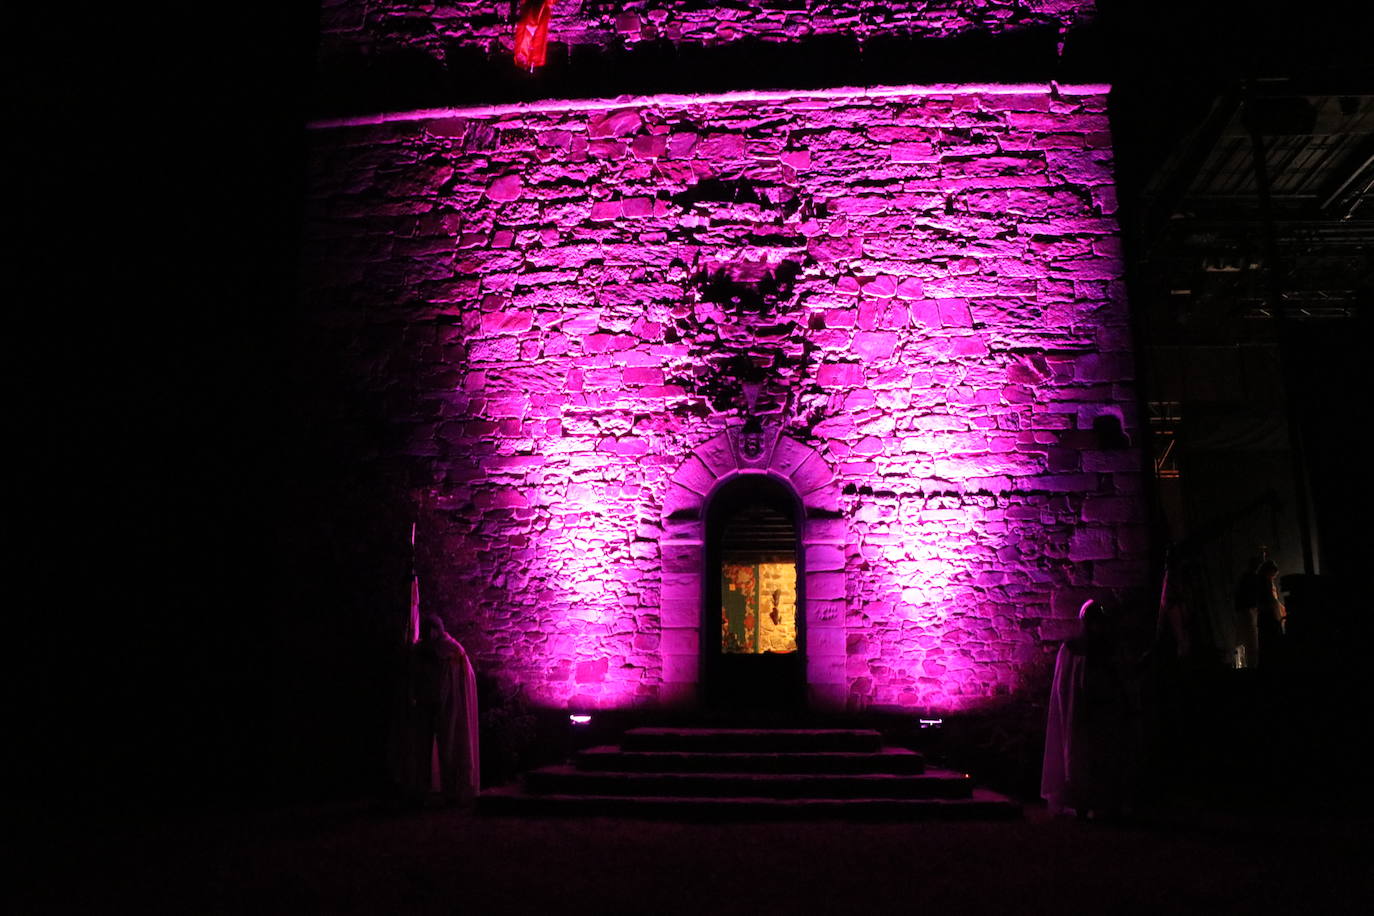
(558,303)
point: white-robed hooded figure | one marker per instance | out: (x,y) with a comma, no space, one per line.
(443,707)
(1088,732)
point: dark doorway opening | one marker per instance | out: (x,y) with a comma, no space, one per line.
(753,633)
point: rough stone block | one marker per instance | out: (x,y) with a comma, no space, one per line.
(508,187)
(823,499)
(682,559)
(824,585)
(591,672)
(826,529)
(824,557)
(824,612)
(613,123)
(1092,544)
(681,669)
(788,455)
(884,287)
(605,210)
(926,313)
(681,641)
(954,313)
(875,344)
(825,641)
(840,374)
(813,474)
(910,288)
(695,476)
(680,610)
(827,669)
(677,528)
(718,455)
(678,498)
(1112,509)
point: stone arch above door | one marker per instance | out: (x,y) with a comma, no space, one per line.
(823,536)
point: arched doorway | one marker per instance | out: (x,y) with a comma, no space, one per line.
(721,474)
(753,629)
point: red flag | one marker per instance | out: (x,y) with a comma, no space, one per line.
(532,33)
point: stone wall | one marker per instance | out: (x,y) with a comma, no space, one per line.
(487,25)
(550,307)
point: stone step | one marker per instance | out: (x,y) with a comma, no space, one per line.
(749,774)
(982,805)
(756,740)
(885,760)
(564,779)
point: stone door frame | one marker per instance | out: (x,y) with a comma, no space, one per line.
(823,535)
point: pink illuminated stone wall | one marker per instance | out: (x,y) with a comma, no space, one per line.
(558,306)
(486,25)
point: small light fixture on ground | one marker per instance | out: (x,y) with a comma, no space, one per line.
(580,719)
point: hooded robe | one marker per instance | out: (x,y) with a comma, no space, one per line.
(443,719)
(1088,728)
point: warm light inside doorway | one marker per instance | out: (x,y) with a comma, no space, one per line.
(758,607)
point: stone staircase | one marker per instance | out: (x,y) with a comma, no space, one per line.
(715,773)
